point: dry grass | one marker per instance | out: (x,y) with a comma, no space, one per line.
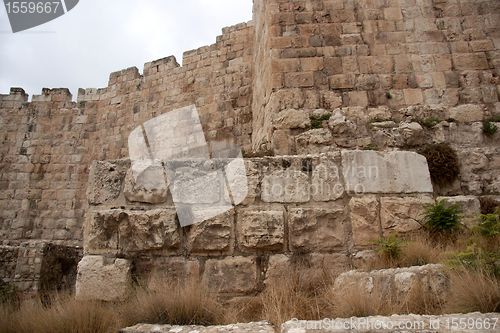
(297,293)
(64,315)
(473,291)
(188,303)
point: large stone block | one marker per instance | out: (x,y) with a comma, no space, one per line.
(106,180)
(395,284)
(260,230)
(231,274)
(470,208)
(103,279)
(291,118)
(389,172)
(466,113)
(317,229)
(286,186)
(365,220)
(212,236)
(401,215)
(331,263)
(166,269)
(123,231)
(255,327)
(326,184)
(146,182)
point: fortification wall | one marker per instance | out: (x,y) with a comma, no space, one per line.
(49,143)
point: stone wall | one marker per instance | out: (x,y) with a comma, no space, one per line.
(329,208)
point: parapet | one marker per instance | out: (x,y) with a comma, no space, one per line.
(53,95)
(15,94)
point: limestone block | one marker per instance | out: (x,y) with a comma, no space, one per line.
(365,220)
(261,230)
(255,327)
(400,215)
(395,283)
(291,118)
(281,264)
(231,274)
(470,208)
(213,235)
(325,183)
(105,180)
(146,182)
(121,231)
(103,279)
(466,113)
(310,141)
(286,186)
(385,172)
(317,229)
(158,270)
(149,230)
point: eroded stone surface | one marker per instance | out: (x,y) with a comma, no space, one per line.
(292,118)
(326,184)
(286,186)
(213,235)
(146,182)
(388,172)
(256,327)
(395,283)
(365,220)
(470,208)
(231,274)
(105,180)
(400,215)
(104,279)
(317,229)
(261,230)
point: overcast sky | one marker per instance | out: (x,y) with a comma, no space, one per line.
(97,37)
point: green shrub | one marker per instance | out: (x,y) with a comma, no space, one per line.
(442,218)
(476,258)
(389,247)
(317,121)
(443,163)
(489,225)
(429,122)
(489,128)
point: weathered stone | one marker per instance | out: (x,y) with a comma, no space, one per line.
(325,183)
(286,186)
(149,230)
(190,183)
(401,215)
(365,220)
(255,327)
(291,119)
(281,265)
(231,274)
(313,141)
(146,182)
(120,231)
(395,283)
(213,235)
(390,172)
(466,113)
(158,270)
(261,230)
(105,180)
(470,208)
(412,133)
(317,229)
(103,279)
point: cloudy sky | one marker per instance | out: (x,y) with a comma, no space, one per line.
(97,37)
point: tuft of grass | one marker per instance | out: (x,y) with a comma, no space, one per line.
(317,121)
(473,291)
(371,146)
(475,258)
(172,302)
(489,224)
(389,247)
(63,315)
(429,122)
(489,128)
(442,219)
(443,163)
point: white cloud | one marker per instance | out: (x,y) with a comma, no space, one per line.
(97,37)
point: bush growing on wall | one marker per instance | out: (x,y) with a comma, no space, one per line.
(443,163)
